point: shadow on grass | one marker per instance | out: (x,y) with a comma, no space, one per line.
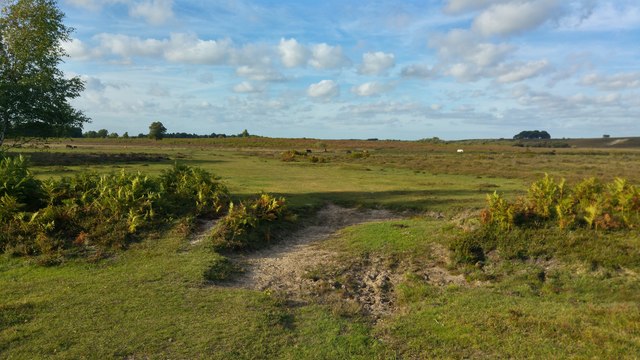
(415,200)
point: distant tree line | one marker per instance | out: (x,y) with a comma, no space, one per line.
(532,135)
(157,131)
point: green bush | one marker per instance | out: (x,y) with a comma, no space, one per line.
(249,225)
(589,204)
(193,190)
(98,212)
(538,224)
(468,249)
(17,181)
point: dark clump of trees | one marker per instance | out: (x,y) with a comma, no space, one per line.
(157,131)
(532,135)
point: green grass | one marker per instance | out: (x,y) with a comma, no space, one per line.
(398,238)
(153,301)
(579,299)
(503,323)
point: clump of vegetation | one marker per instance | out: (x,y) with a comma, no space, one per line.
(589,204)
(17,184)
(193,191)
(360,154)
(532,134)
(92,213)
(250,224)
(551,217)
(290,155)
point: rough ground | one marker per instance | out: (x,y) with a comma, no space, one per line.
(283,266)
(300,269)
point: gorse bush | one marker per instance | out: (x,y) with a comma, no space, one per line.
(250,224)
(91,212)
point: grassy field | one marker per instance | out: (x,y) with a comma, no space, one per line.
(579,297)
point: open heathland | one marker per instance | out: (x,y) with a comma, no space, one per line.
(245,248)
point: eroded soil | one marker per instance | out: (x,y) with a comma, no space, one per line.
(302,270)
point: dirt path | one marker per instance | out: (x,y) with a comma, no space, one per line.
(290,267)
(282,267)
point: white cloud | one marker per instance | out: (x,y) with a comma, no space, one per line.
(464,56)
(462,71)
(376,63)
(246,87)
(94,4)
(462,6)
(187,48)
(487,54)
(370,89)
(518,72)
(618,81)
(259,73)
(324,89)
(93,84)
(205,78)
(462,44)
(180,48)
(78,50)
(158,90)
(417,71)
(516,16)
(292,53)
(128,46)
(605,16)
(155,12)
(386,108)
(328,57)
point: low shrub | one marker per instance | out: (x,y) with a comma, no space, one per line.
(290,155)
(552,218)
(360,154)
(251,224)
(588,204)
(189,190)
(17,181)
(91,211)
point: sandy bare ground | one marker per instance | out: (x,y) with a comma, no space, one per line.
(283,266)
(289,266)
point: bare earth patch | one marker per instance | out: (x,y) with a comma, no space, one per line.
(300,269)
(282,266)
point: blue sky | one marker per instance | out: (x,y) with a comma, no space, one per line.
(455,69)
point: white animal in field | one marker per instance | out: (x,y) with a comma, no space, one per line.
(460,151)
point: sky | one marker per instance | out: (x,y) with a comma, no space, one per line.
(336,69)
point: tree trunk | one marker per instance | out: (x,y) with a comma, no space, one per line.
(3,129)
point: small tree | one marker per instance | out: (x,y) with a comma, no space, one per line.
(245,133)
(102,133)
(34,93)
(157,130)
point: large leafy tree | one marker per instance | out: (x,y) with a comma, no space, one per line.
(157,130)
(34,93)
